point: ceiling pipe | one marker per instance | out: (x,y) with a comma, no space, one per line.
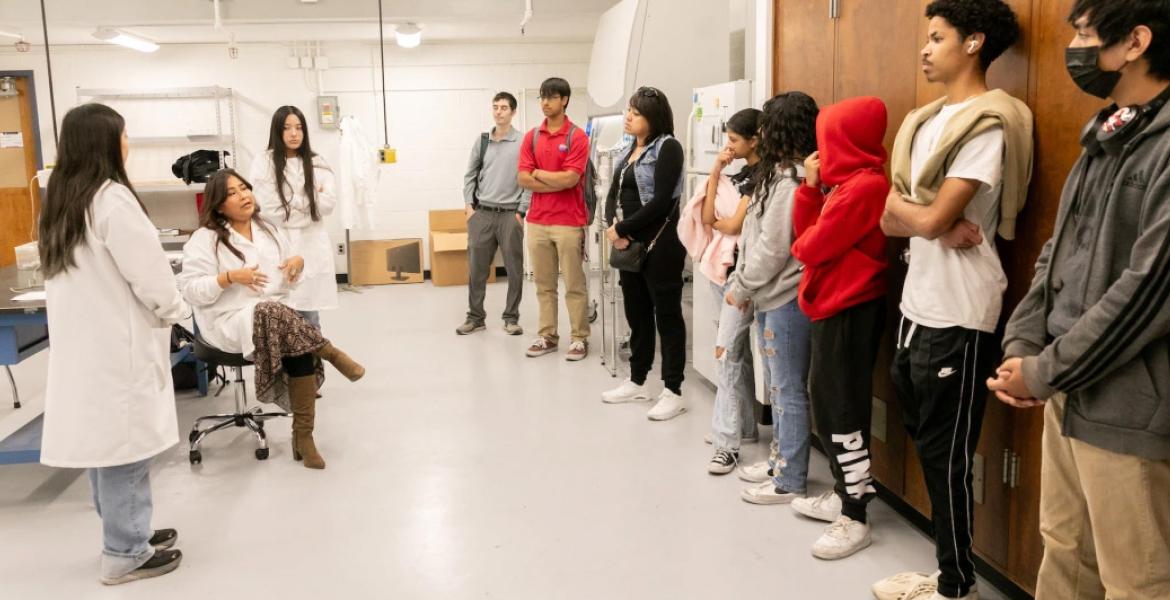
(527,16)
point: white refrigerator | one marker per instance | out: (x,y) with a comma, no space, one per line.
(711,108)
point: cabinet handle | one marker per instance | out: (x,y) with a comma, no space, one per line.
(1007,465)
(1015,471)
(834,9)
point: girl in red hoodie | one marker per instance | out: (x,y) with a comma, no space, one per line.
(841,244)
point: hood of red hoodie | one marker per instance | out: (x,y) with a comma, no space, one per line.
(849,138)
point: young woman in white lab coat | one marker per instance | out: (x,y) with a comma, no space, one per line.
(294,188)
(112,298)
(238,270)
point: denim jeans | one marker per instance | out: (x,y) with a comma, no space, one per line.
(784,345)
(734,416)
(122,498)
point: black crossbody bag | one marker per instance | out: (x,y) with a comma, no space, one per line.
(632,258)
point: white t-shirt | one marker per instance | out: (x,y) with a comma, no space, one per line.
(959,288)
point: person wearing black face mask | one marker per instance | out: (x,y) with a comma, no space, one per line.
(1090,342)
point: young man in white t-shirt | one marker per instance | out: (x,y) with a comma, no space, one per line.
(953,293)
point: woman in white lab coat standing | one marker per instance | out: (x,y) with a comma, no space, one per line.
(295,190)
(238,270)
(112,298)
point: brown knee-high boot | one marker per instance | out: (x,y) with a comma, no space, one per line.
(342,362)
(302,393)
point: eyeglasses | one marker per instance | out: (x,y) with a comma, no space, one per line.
(648,92)
(552,97)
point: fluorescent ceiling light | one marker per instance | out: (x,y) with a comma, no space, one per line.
(408,35)
(115,36)
(12,33)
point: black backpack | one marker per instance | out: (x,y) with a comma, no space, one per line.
(198,166)
(589,177)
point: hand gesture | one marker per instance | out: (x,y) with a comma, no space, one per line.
(1009,385)
(812,170)
(723,159)
(249,277)
(964,234)
(621,243)
(293,268)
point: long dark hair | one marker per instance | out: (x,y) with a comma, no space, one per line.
(88,155)
(788,134)
(280,157)
(215,193)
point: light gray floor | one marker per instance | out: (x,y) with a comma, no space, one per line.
(457,468)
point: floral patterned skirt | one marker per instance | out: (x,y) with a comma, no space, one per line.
(281,332)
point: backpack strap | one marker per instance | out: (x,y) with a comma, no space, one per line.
(483,145)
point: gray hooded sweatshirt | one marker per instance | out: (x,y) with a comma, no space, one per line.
(1114,360)
(767,273)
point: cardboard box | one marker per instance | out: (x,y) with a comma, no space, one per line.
(448,243)
(377,262)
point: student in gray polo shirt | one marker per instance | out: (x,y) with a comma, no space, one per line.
(496,206)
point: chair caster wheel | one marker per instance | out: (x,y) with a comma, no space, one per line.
(195,456)
(262,454)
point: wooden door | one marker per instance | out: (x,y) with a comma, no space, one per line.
(1061,110)
(804,40)
(876,55)
(18,165)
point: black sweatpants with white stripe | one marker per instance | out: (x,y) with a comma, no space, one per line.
(940,376)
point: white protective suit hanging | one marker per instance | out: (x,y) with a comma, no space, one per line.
(357,176)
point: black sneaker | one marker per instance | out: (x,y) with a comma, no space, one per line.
(163,562)
(164,539)
(723,462)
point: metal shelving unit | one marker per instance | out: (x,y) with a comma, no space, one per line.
(223,138)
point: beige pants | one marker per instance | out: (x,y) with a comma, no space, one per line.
(553,249)
(1104,518)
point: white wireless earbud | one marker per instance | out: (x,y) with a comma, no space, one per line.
(972,47)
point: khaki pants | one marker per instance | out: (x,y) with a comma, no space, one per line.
(553,248)
(1104,518)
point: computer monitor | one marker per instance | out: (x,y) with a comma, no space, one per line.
(407,257)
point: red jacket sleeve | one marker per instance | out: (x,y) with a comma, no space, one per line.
(826,231)
(578,153)
(527,158)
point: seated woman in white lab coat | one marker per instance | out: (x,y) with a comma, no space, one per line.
(111,297)
(238,270)
(295,191)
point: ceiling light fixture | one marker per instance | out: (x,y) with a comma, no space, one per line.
(116,36)
(408,35)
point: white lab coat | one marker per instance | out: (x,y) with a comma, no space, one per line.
(357,176)
(224,316)
(109,399)
(309,238)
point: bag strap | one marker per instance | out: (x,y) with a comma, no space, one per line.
(650,246)
(483,145)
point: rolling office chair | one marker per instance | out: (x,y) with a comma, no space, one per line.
(253,418)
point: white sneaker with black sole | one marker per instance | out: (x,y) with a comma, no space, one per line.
(756,473)
(845,537)
(161,563)
(766,493)
(628,391)
(723,462)
(826,507)
(669,406)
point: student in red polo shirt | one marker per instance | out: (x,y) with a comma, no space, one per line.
(553,167)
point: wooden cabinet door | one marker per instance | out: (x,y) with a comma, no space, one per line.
(876,55)
(804,42)
(18,165)
(1061,110)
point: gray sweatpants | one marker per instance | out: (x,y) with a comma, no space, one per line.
(487,231)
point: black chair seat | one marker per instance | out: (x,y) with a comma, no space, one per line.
(210,354)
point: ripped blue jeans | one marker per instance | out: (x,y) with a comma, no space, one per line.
(733,419)
(785,348)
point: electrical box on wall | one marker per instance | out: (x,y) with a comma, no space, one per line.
(327,114)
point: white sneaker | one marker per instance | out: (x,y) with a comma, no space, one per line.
(826,507)
(765,493)
(751,439)
(896,587)
(757,473)
(845,537)
(928,590)
(628,391)
(669,406)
